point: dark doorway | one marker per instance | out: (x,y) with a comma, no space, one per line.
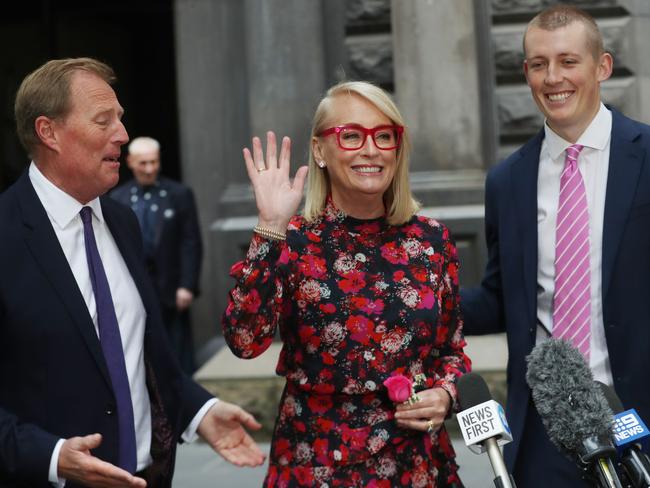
(135,37)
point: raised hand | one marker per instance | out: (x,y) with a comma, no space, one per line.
(277,197)
(76,463)
(426,415)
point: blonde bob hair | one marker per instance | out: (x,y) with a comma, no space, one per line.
(398,199)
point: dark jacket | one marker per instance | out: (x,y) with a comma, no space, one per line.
(53,378)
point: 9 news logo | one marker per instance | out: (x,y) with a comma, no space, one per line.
(628,427)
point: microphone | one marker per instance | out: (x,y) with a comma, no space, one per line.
(483,425)
(629,433)
(573,410)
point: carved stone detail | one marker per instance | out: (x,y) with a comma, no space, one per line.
(371,58)
(368,11)
(518,6)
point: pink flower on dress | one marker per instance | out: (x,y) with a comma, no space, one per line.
(312,266)
(352,282)
(360,328)
(399,388)
(252,302)
(394,254)
(427,298)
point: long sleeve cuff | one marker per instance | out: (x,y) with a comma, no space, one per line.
(190,434)
(53,475)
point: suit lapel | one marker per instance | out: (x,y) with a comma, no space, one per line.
(626,158)
(45,248)
(524,194)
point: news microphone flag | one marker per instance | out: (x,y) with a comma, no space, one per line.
(482,422)
(629,429)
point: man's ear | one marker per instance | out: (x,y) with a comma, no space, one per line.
(605,66)
(46,131)
(526,70)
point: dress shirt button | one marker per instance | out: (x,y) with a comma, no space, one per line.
(110,409)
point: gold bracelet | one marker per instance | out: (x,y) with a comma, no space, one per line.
(269,233)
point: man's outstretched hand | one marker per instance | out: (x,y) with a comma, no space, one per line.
(76,463)
(224,428)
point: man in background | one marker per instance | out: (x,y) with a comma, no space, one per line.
(90,393)
(567,220)
(168,219)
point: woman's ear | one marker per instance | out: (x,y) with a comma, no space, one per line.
(317,151)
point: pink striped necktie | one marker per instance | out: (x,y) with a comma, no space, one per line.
(572,297)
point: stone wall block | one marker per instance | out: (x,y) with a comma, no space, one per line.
(368,11)
(371,58)
(533,6)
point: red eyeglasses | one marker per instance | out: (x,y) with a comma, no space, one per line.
(352,137)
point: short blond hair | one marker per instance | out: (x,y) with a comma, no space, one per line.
(558,16)
(398,199)
(46,91)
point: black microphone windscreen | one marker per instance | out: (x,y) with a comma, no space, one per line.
(612,398)
(472,390)
(571,406)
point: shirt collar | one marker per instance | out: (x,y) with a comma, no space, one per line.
(595,136)
(60,206)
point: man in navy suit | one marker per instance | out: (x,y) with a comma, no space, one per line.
(90,392)
(564,65)
(169,222)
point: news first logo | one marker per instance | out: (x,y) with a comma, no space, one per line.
(481,422)
(628,427)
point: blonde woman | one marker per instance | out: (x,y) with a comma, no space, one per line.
(362,290)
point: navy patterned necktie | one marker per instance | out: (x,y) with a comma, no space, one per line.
(111,342)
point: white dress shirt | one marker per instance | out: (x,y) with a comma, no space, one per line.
(63,212)
(593,163)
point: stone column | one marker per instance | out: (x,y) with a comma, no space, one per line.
(438,90)
(244,67)
(637,43)
(213,119)
(437,82)
(285,62)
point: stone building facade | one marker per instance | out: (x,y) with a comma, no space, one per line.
(454,66)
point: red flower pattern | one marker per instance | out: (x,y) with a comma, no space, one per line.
(356,302)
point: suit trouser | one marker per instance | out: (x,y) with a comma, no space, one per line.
(539,463)
(179,331)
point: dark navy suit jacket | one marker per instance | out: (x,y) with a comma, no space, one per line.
(176,261)
(506,300)
(53,378)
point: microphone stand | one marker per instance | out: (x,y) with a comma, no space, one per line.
(502,478)
(636,467)
(598,454)
(606,474)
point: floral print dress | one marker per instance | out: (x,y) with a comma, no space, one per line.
(355,301)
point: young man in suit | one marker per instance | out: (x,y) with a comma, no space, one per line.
(567,221)
(90,393)
(169,223)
